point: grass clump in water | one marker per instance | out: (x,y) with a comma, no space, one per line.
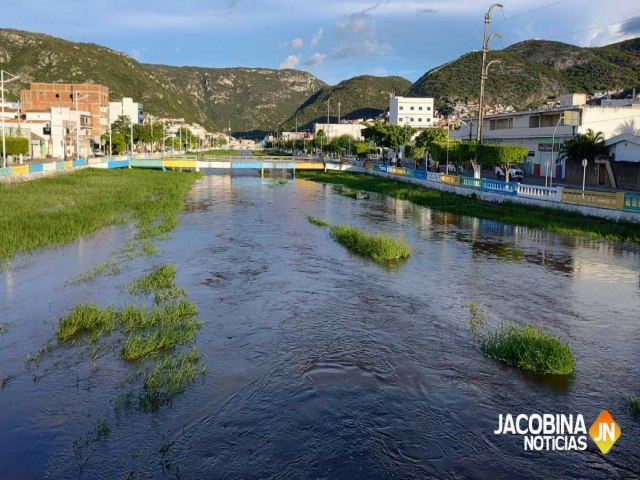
(320,222)
(554,220)
(161,278)
(529,348)
(175,324)
(380,247)
(87,318)
(169,377)
(632,402)
(111,268)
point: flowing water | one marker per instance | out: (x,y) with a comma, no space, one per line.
(320,363)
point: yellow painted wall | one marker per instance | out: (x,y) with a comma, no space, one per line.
(20,169)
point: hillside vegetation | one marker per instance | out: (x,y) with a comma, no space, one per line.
(365,96)
(534,71)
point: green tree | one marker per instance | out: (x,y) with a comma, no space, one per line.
(414,151)
(588,145)
(320,139)
(388,135)
(16,146)
(427,137)
(122,126)
(501,156)
(118,143)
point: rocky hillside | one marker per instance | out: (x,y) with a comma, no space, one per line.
(360,97)
(249,99)
(535,71)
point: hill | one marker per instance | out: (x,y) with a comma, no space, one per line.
(248,98)
(534,71)
(360,97)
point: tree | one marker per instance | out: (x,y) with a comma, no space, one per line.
(16,146)
(118,142)
(501,156)
(427,137)
(414,151)
(588,145)
(122,126)
(320,139)
(388,135)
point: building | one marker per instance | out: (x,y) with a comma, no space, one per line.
(543,131)
(334,130)
(89,98)
(415,112)
(126,108)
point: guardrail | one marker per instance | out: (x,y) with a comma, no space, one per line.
(32,168)
(618,201)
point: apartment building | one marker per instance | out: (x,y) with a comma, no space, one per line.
(416,112)
(126,108)
(90,98)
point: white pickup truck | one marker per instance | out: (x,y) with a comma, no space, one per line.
(516,174)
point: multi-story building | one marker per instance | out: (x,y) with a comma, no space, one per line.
(543,131)
(415,112)
(85,97)
(126,108)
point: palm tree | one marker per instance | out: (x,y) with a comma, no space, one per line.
(588,145)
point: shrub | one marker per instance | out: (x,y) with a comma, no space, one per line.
(379,247)
(16,145)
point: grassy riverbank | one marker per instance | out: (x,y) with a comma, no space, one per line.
(57,210)
(554,220)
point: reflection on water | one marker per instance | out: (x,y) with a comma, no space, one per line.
(321,364)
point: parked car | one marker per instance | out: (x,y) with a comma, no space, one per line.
(515,173)
(98,153)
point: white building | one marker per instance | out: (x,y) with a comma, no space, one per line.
(126,108)
(334,130)
(543,131)
(416,112)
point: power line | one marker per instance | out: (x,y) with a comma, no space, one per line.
(533,10)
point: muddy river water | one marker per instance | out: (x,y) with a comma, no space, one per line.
(320,363)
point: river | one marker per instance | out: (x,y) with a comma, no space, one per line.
(321,363)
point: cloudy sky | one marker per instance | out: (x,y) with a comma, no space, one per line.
(333,39)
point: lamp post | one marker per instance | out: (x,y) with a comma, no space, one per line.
(553,161)
(584,175)
(110,146)
(78,124)
(4,140)
(485,50)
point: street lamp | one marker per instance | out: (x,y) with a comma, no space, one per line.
(4,140)
(78,124)
(553,161)
(485,50)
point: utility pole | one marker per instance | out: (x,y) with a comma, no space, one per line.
(327,132)
(339,112)
(485,51)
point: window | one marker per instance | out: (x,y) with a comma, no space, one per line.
(428,120)
(429,108)
(419,120)
(419,108)
(401,108)
(412,120)
(501,124)
(411,108)
(57,95)
(534,121)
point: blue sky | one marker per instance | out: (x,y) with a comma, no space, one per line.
(333,39)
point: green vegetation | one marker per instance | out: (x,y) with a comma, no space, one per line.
(632,402)
(319,222)
(57,210)
(529,348)
(161,278)
(169,377)
(16,146)
(102,429)
(365,97)
(388,135)
(379,247)
(87,318)
(477,320)
(558,221)
(110,267)
(584,145)
(533,72)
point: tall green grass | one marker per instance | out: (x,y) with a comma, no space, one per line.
(319,222)
(379,247)
(529,348)
(632,402)
(169,377)
(554,220)
(161,278)
(56,210)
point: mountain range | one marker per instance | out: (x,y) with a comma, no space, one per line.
(252,101)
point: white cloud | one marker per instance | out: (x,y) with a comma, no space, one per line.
(315,60)
(315,40)
(361,48)
(296,43)
(290,62)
